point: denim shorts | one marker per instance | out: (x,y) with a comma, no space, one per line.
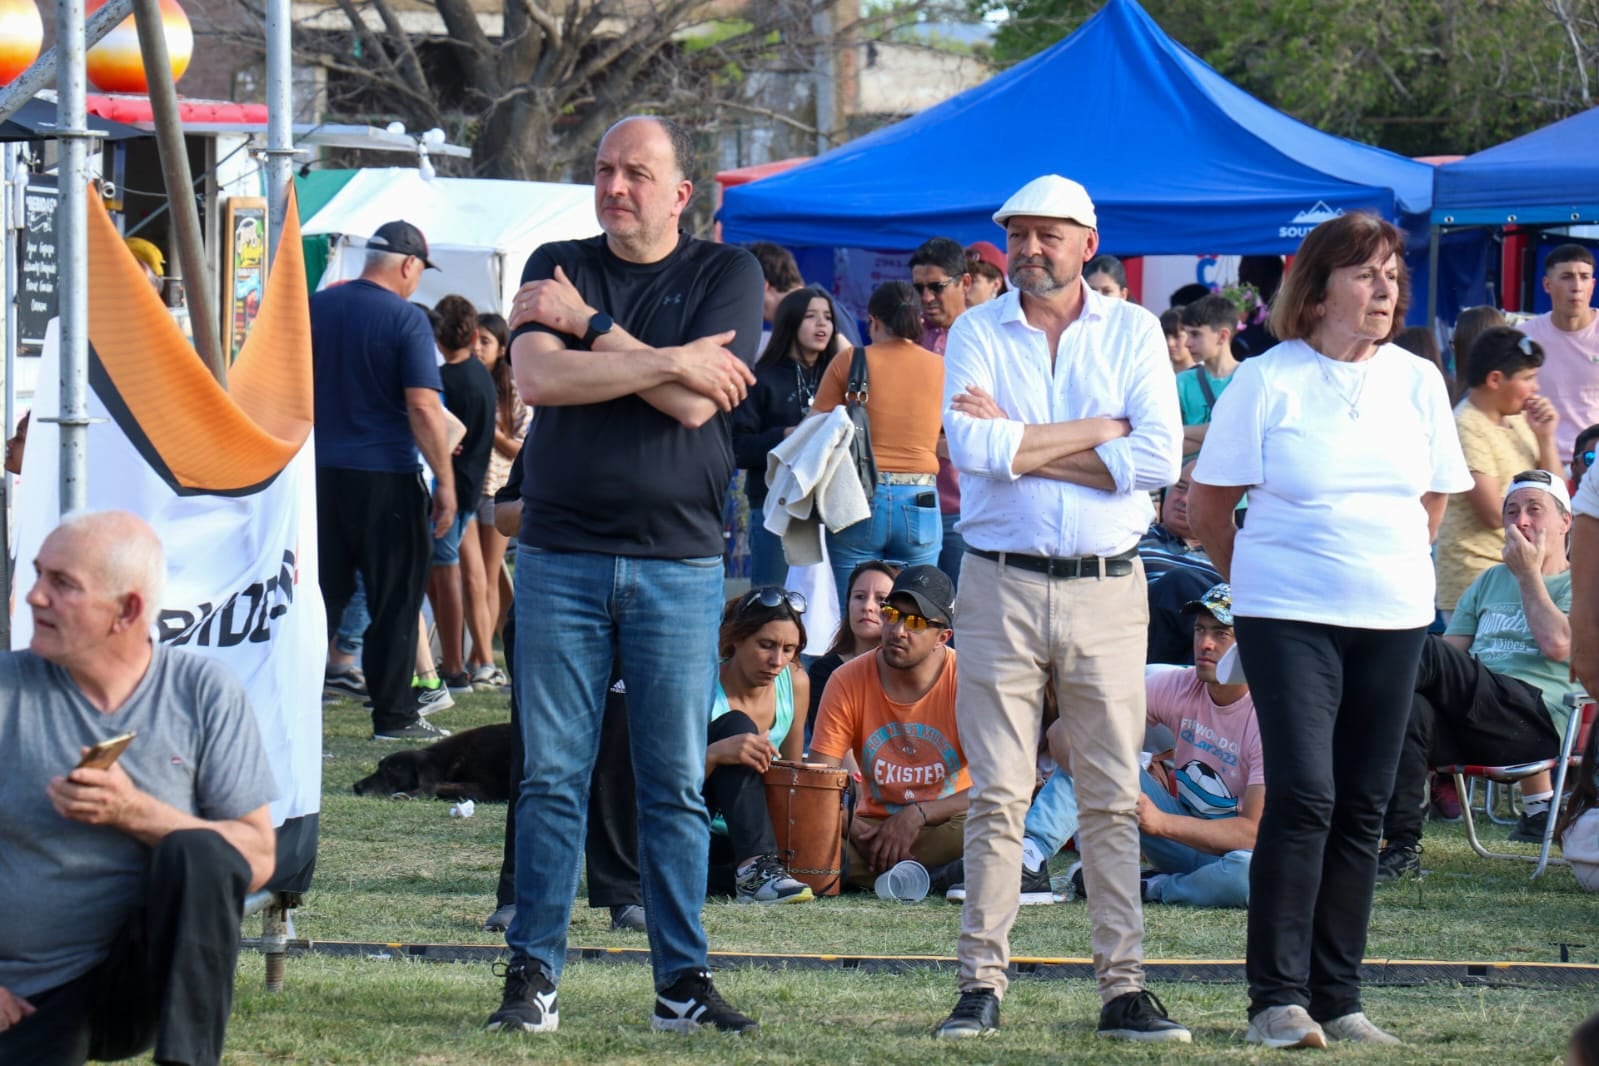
(447,549)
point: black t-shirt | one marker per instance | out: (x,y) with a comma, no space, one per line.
(620,477)
(469,395)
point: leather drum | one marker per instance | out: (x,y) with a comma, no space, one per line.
(806,802)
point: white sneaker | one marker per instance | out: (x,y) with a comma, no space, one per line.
(1358,1029)
(1285,1026)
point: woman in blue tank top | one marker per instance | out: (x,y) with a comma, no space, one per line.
(758,686)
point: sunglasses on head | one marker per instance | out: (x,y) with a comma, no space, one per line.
(913,622)
(1527,346)
(1533,477)
(772,596)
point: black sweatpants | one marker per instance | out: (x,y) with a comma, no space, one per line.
(376,523)
(611,845)
(738,794)
(168,982)
(1463,712)
(1332,704)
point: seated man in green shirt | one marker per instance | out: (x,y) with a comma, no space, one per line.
(1491,690)
(1208,327)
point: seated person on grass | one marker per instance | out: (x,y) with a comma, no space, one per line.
(1209,324)
(892,711)
(122,884)
(759,684)
(859,630)
(1491,690)
(1200,840)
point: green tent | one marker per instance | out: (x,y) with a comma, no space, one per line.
(313,190)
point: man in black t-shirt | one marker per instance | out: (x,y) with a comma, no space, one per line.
(633,346)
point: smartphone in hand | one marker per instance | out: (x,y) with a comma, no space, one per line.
(105,754)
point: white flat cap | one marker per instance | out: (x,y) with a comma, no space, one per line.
(1051,196)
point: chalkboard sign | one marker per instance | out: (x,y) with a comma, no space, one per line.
(38,284)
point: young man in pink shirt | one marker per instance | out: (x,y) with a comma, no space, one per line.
(1569,335)
(1199,841)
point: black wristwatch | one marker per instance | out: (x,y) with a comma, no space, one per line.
(600,324)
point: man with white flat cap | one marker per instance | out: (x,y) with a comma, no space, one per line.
(1061,423)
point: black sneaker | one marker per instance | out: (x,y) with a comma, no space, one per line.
(628,917)
(1075,875)
(1036,889)
(528,1004)
(1140,1016)
(344,682)
(421,729)
(976,1013)
(459,683)
(501,919)
(692,1003)
(1530,828)
(1396,860)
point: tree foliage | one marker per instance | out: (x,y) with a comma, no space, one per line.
(1416,76)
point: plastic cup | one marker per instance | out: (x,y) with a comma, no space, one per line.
(907,882)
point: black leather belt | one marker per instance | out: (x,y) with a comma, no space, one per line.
(1081,566)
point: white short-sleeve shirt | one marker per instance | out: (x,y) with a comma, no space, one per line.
(1336,457)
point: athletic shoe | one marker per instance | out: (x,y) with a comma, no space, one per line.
(1396,860)
(1357,1029)
(1142,1017)
(431,700)
(459,683)
(1036,889)
(1285,1026)
(976,1013)
(342,681)
(628,917)
(488,677)
(421,729)
(501,919)
(692,1003)
(1530,828)
(1445,799)
(1074,874)
(767,882)
(528,1003)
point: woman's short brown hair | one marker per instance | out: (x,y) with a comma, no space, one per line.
(1345,241)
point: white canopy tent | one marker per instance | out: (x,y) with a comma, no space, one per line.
(479,232)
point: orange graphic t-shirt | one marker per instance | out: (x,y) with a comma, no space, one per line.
(909,752)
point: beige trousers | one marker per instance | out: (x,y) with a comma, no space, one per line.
(935,845)
(1016,628)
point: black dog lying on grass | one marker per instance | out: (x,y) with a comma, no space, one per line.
(474,764)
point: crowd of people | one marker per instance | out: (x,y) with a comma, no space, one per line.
(1224,592)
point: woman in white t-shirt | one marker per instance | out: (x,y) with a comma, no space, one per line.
(1346,445)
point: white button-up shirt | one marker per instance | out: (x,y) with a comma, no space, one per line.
(1110,363)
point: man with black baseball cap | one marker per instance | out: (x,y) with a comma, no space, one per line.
(894,708)
(377,404)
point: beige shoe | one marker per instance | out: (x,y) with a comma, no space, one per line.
(1358,1029)
(1287,1026)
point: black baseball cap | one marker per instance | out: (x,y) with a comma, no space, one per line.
(932,591)
(402,238)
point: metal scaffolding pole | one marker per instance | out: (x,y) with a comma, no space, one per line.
(280,119)
(72,257)
(180,181)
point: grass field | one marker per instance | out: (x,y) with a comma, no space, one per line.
(406,872)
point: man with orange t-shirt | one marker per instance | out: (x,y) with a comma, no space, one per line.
(894,711)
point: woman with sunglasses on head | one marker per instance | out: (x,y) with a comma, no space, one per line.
(859,631)
(759,684)
(1504,427)
(904,405)
(805,342)
(1347,449)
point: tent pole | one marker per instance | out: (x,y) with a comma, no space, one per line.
(179,183)
(8,385)
(72,253)
(280,116)
(1432,278)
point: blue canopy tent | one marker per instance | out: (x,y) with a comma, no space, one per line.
(1177,159)
(1549,177)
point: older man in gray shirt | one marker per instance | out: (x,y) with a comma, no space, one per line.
(121,886)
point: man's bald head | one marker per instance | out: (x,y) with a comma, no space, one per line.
(682,145)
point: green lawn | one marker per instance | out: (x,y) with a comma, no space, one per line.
(406,872)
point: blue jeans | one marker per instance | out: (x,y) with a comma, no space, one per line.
(899,529)
(949,555)
(768,564)
(353,623)
(574,611)
(1198,878)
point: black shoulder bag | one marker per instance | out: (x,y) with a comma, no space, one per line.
(860,447)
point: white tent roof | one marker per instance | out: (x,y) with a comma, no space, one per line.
(479,232)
